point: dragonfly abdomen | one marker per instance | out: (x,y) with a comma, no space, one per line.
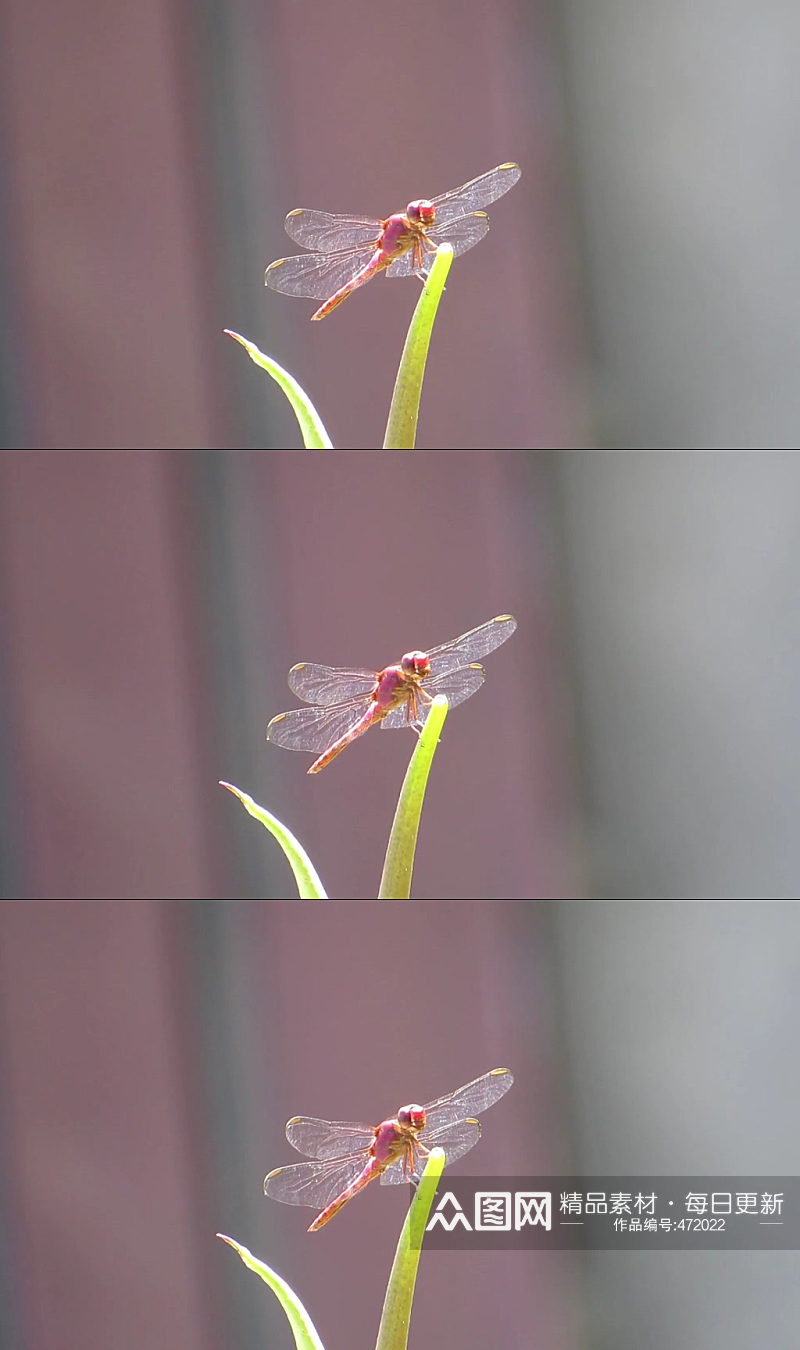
(373,714)
(376,264)
(370,1172)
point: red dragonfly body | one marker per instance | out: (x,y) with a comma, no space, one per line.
(347,1157)
(351,250)
(349,702)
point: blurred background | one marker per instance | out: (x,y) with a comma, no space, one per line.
(151,1053)
(637,736)
(639,288)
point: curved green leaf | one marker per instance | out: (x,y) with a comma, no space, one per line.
(396,1315)
(399,864)
(401,428)
(303,1329)
(309,886)
(315,437)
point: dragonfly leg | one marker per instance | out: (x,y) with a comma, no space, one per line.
(425,265)
(415,1175)
(415,721)
(412,712)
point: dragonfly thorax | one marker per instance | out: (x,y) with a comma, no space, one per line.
(413,1115)
(422,212)
(390,1141)
(392,687)
(398,236)
(416,663)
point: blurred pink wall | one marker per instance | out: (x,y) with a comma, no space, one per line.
(153,607)
(151,1054)
(153,152)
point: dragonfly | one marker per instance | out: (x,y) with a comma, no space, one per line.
(348,251)
(347,1157)
(346,702)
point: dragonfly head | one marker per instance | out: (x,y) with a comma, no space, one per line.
(413,1115)
(416,663)
(422,212)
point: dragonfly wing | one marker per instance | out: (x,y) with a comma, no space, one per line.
(315,729)
(471,646)
(396,1173)
(458,685)
(406,264)
(399,717)
(316,275)
(314,1183)
(467,1102)
(395,1176)
(462,233)
(331,234)
(476,194)
(329,1135)
(327,1138)
(456,1140)
(326,685)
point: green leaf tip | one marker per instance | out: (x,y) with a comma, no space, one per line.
(399,864)
(401,428)
(312,428)
(309,886)
(305,1333)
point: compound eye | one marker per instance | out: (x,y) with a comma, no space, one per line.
(416,663)
(422,211)
(412,1115)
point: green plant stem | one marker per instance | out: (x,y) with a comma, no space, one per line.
(396,1315)
(401,428)
(399,864)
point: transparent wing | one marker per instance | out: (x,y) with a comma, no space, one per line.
(458,685)
(329,684)
(329,233)
(406,264)
(328,1138)
(476,194)
(466,1102)
(316,275)
(402,1170)
(399,717)
(471,646)
(396,1175)
(313,1183)
(461,234)
(315,729)
(456,1140)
